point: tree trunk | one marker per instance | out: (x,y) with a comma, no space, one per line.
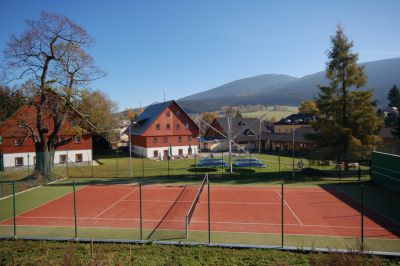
(44,162)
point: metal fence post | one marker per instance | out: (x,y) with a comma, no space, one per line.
(14,211)
(92,166)
(116,167)
(186,227)
(370,170)
(362,217)
(75,218)
(67,163)
(209,211)
(282,209)
(195,166)
(140,210)
(359,170)
(2,182)
(222,161)
(28,166)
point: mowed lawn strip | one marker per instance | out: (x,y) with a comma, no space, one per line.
(62,253)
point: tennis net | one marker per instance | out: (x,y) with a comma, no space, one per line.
(189,214)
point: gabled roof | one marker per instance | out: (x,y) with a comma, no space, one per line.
(299,135)
(241,126)
(149,115)
(297,119)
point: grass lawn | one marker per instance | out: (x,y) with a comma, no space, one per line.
(69,253)
(112,170)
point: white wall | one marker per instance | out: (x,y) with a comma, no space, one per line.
(148,152)
(9,159)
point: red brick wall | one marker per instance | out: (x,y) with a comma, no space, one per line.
(10,131)
(146,140)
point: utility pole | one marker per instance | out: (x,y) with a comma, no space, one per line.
(130,149)
(293,175)
(230,143)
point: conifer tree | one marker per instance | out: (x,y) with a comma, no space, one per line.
(348,120)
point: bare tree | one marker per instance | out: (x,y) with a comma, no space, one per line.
(51,54)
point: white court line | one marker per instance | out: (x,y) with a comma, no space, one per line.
(115,203)
(214,222)
(18,193)
(214,202)
(40,205)
(197,230)
(275,189)
(295,216)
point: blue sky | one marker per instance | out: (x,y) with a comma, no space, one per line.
(190,46)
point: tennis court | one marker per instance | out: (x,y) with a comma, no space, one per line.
(308,211)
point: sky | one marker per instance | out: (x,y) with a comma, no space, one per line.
(185,47)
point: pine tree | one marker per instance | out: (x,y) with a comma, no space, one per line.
(394,97)
(348,121)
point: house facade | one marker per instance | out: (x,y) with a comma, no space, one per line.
(163,130)
(244,131)
(17,148)
(293,122)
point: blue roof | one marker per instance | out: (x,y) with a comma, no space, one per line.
(146,119)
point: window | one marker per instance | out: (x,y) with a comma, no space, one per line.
(155,140)
(168,126)
(180,152)
(165,139)
(158,127)
(178,126)
(77,140)
(187,126)
(19,161)
(166,153)
(179,139)
(168,114)
(63,158)
(155,154)
(17,142)
(78,157)
(178,113)
(249,132)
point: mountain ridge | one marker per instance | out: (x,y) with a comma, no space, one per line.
(281,89)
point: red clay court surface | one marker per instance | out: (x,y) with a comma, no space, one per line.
(307,211)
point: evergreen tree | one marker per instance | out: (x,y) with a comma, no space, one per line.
(238,114)
(394,97)
(348,121)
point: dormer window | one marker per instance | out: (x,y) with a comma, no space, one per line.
(168,114)
(249,132)
(77,140)
(17,142)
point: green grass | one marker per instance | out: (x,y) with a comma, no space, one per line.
(116,171)
(271,112)
(64,253)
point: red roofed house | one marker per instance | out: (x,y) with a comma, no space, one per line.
(17,148)
(163,127)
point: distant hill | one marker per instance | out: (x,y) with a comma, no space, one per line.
(278,89)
